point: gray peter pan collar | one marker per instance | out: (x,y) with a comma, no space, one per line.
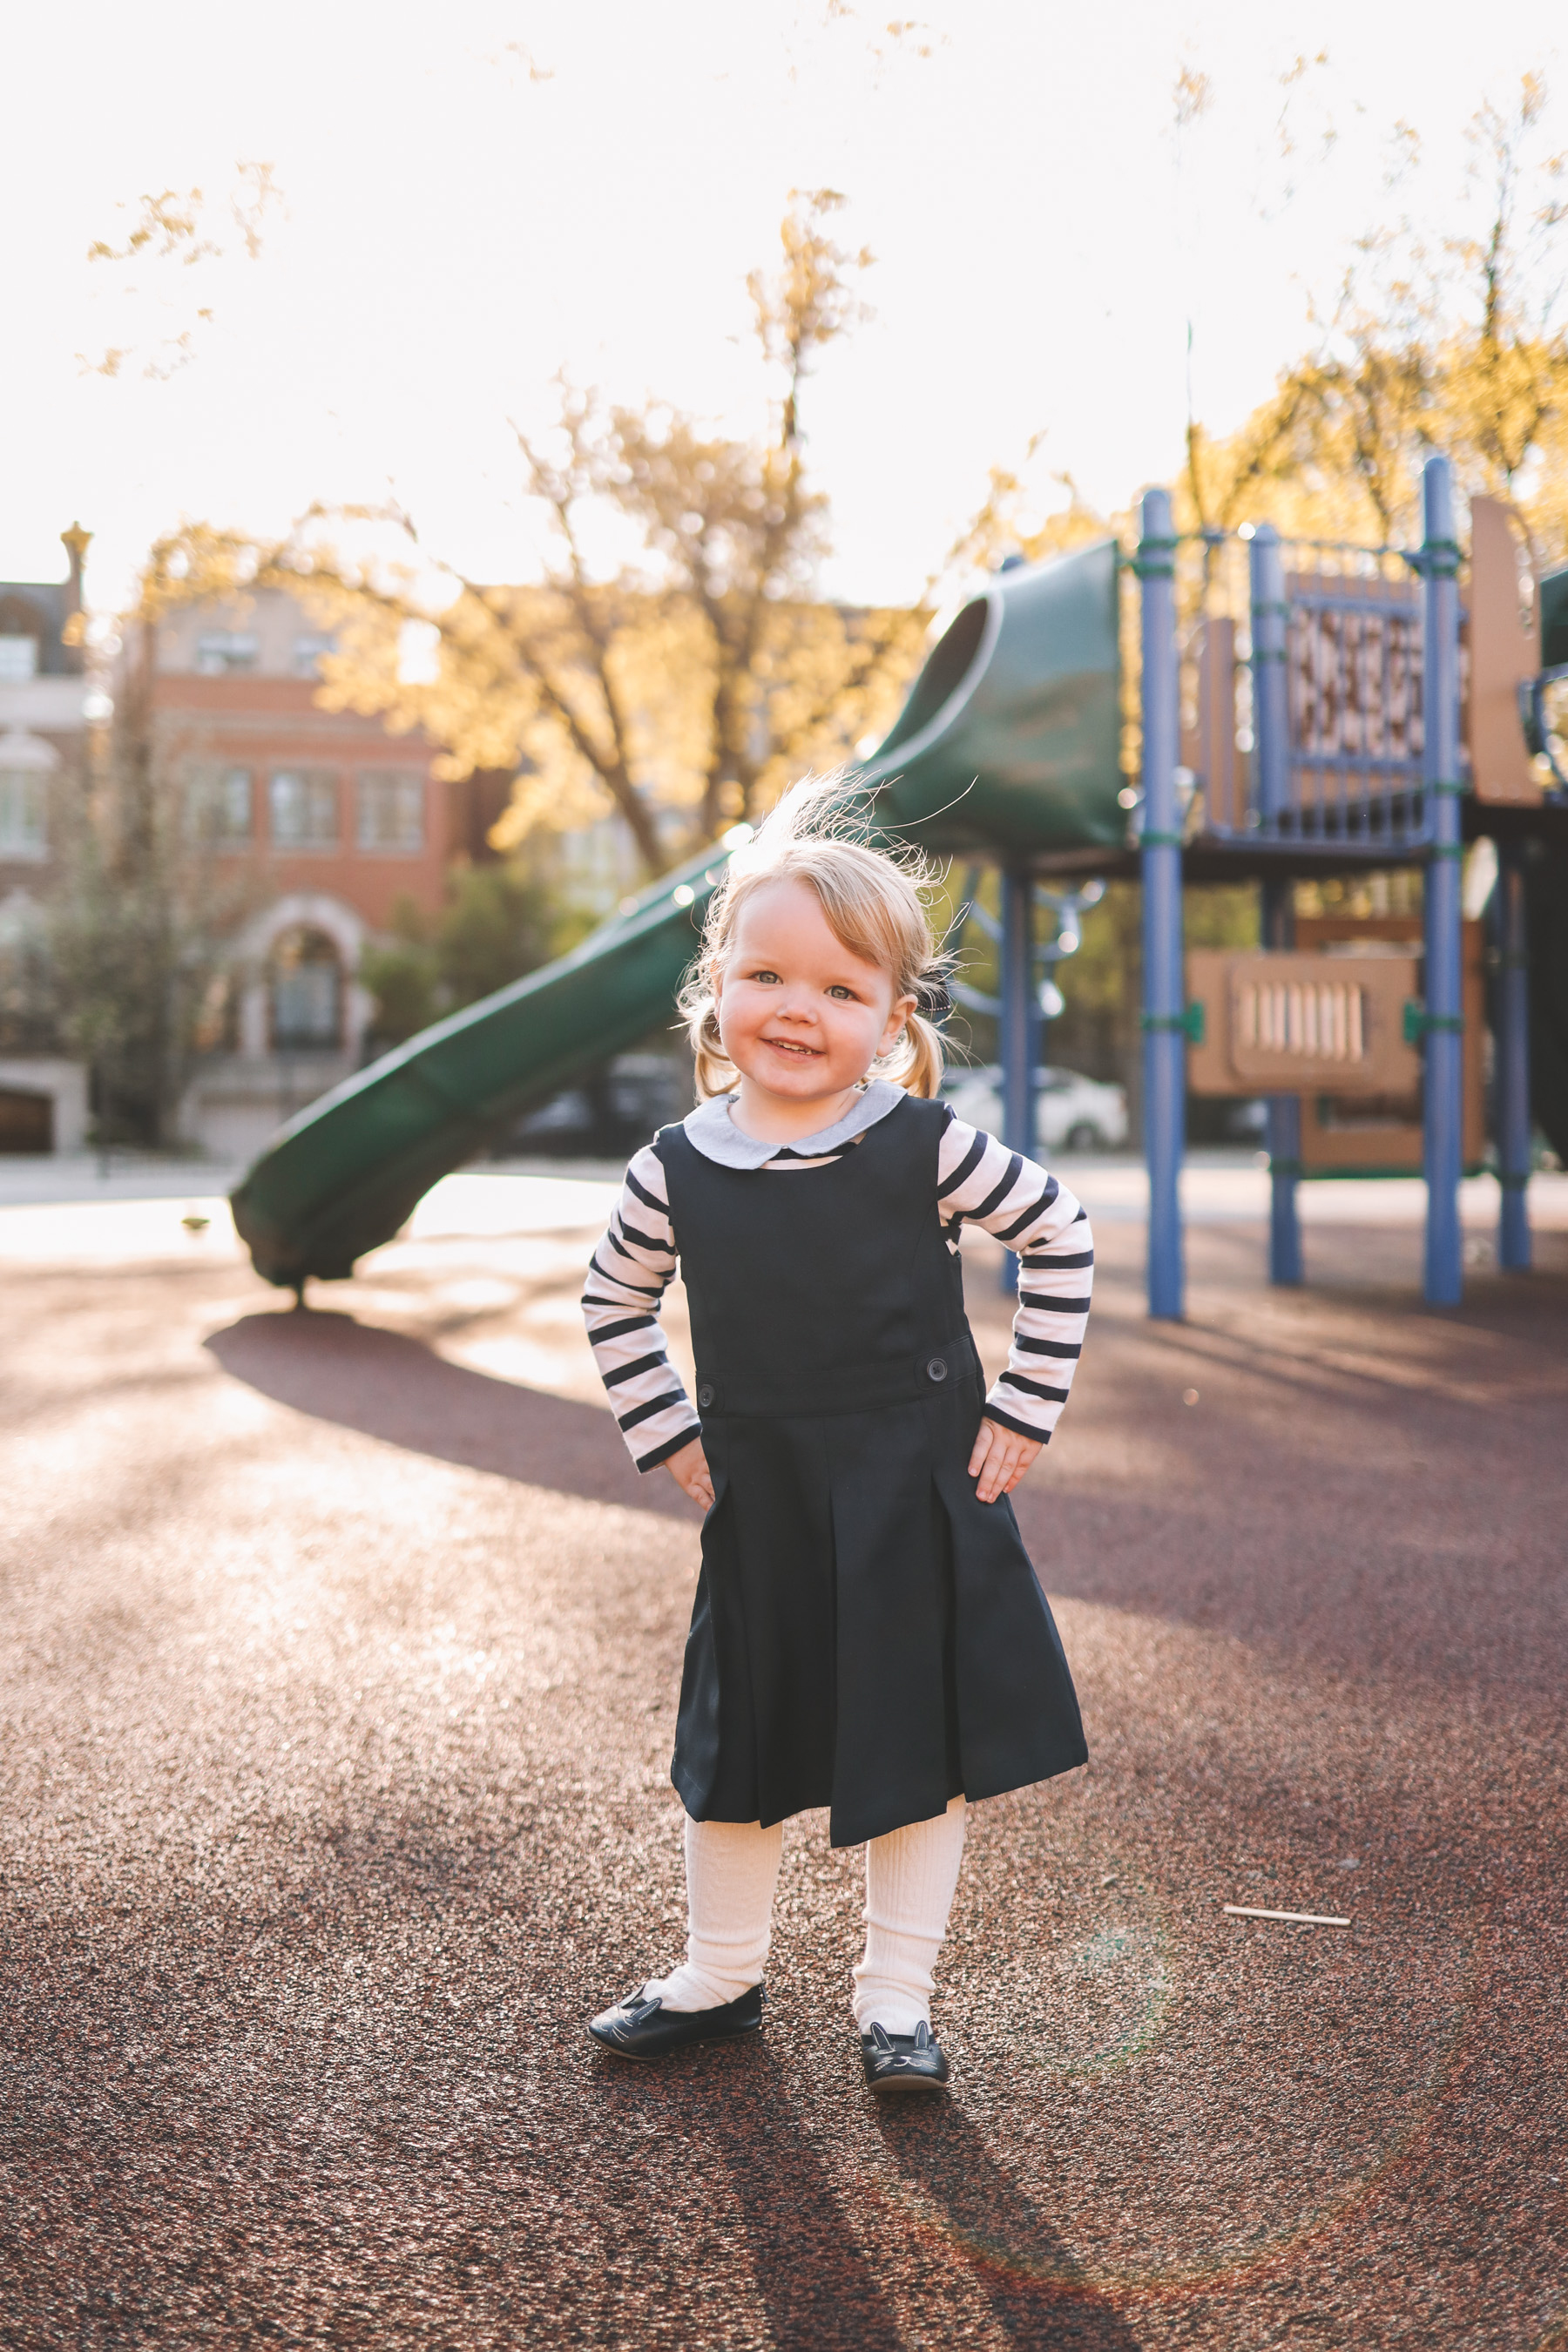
(716,1137)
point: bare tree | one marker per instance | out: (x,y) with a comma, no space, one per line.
(685,684)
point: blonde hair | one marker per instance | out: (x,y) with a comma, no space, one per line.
(873,901)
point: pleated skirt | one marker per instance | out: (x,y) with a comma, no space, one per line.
(866,1635)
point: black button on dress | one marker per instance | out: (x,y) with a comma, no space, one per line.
(866,1635)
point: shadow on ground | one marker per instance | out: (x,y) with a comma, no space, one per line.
(949,2167)
(387,1385)
(1321,1502)
(814,2262)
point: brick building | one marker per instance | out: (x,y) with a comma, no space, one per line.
(329,818)
(45,704)
(335,819)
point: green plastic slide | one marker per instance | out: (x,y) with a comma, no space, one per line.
(1008,743)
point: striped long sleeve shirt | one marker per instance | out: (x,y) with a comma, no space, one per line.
(979,1182)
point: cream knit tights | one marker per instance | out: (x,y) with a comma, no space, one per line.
(730,1871)
(911,1876)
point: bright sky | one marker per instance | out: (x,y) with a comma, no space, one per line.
(456,227)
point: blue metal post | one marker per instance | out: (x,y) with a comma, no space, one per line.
(1039,1020)
(1018,1025)
(1271,728)
(1443,1091)
(1512,1061)
(1283,1134)
(1270,695)
(1165,980)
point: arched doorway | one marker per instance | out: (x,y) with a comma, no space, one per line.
(26,1120)
(305,992)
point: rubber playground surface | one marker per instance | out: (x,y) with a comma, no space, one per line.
(340,1653)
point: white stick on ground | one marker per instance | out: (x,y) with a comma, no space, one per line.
(1300,1918)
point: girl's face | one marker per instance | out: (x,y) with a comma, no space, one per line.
(800,1015)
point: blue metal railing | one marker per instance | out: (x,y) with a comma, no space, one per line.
(1328,700)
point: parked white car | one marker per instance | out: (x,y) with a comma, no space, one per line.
(1071,1113)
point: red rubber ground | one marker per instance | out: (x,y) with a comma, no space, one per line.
(335,1708)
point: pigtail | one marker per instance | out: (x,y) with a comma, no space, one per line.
(698,1006)
(714,1072)
(915,1062)
(923,1075)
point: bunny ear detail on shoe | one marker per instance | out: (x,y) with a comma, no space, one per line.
(902,2062)
(641,2027)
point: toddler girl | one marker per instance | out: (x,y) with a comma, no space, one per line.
(868,1634)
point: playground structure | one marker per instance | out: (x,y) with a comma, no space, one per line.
(1325,697)
(1355,703)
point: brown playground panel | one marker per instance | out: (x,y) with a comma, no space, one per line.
(1278,1023)
(1361,1106)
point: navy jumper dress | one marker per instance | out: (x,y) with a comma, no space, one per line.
(866,1635)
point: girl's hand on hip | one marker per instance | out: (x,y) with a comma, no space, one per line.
(689,1470)
(999,1460)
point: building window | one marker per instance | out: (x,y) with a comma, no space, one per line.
(226,652)
(221,807)
(303,808)
(309,647)
(391,809)
(306,988)
(19,659)
(26,1120)
(23,813)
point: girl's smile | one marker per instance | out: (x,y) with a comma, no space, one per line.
(801,1016)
